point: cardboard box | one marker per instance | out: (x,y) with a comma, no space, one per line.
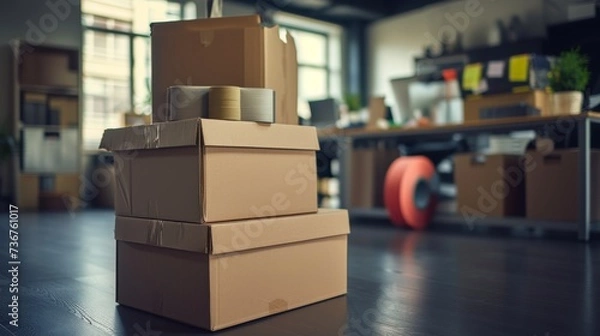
(68,110)
(492,185)
(552,186)
(537,99)
(383,160)
(363,170)
(235,51)
(204,170)
(34,109)
(234,272)
(29,192)
(50,150)
(369,166)
(50,68)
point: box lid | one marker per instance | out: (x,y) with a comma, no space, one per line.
(236,236)
(214,133)
(211,23)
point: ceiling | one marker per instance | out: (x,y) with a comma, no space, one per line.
(341,10)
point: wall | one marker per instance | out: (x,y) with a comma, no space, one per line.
(394,42)
(56,22)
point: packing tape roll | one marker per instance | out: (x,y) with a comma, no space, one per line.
(410,191)
(224,103)
(187,102)
(258,105)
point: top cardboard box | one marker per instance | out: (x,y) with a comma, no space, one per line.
(203,170)
(224,51)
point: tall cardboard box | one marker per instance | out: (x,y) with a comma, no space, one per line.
(553,186)
(203,170)
(234,272)
(492,185)
(68,110)
(29,191)
(224,51)
(363,170)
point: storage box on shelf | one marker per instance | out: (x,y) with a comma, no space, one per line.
(553,188)
(46,122)
(490,185)
(474,105)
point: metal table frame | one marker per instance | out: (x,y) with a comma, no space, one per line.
(564,125)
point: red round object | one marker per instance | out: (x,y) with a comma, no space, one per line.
(391,190)
(410,192)
(418,197)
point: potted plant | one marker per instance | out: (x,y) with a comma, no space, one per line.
(569,77)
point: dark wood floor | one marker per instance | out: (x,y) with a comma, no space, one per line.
(400,283)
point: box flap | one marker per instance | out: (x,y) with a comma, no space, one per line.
(222,133)
(160,135)
(212,23)
(180,236)
(235,236)
(251,234)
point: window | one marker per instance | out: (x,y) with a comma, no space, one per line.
(318,46)
(116,60)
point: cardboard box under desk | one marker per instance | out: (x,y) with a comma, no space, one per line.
(553,186)
(234,272)
(204,170)
(491,185)
(224,51)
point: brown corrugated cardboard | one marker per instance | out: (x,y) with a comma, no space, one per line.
(369,166)
(224,51)
(29,191)
(49,68)
(383,160)
(362,189)
(492,185)
(537,99)
(552,186)
(204,170)
(377,110)
(234,272)
(68,110)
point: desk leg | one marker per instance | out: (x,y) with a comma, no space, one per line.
(584,179)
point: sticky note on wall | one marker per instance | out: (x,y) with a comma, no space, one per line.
(472,76)
(495,69)
(518,68)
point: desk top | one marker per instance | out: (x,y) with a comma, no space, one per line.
(503,124)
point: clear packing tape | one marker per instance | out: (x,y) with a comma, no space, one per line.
(221,102)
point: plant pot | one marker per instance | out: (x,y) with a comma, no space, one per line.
(568,102)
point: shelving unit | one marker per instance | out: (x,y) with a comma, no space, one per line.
(46,126)
(579,127)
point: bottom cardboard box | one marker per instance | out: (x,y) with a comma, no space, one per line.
(553,186)
(490,185)
(215,276)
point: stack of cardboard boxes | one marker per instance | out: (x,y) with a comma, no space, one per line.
(217,221)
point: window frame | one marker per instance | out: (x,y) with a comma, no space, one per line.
(327,66)
(131,37)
